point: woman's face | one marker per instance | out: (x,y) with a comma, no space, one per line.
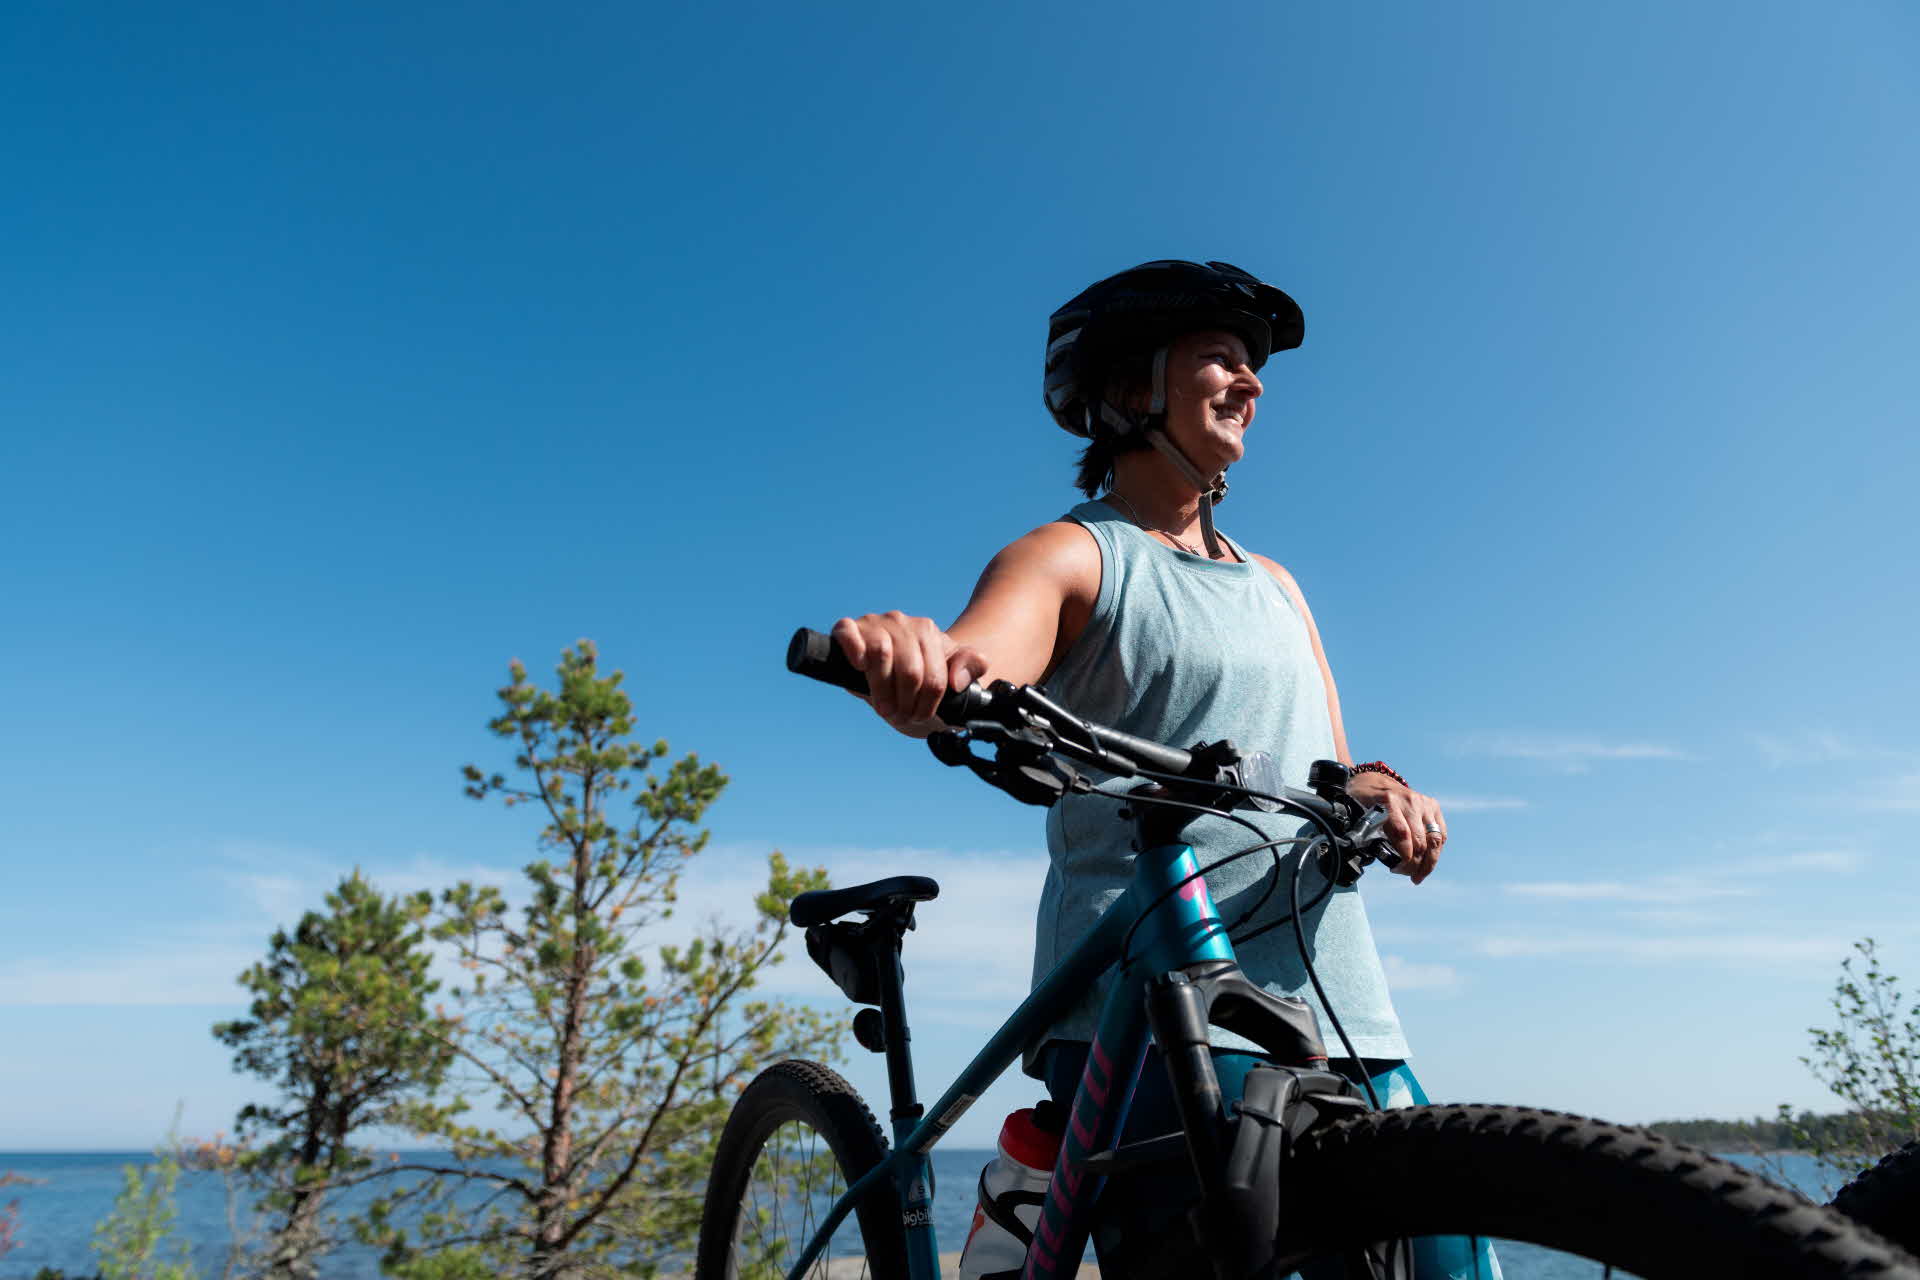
(1210,395)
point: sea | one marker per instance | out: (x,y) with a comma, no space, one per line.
(67,1193)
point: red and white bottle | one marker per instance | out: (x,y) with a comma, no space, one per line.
(1012,1188)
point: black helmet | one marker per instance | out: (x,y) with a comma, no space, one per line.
(1146,307)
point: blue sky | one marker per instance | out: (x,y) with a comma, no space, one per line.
(350,355)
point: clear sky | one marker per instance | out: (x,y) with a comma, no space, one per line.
(349,354)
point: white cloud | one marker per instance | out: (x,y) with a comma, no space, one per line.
(1812,747)
(1407,975)
(194,962)
(1811,860)
(1478,804)
(1742,951)
(1675,899)
(969,962)
(974,943)
(164,973)
(1385,934)
(1661,889)
(1670,917)
(281,883)
(1568,754)
(1898,794)
(1578,890)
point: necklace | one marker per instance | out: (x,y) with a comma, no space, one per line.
(1135,517)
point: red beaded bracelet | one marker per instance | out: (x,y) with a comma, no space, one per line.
(1380,766)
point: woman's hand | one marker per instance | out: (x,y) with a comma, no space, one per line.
(910,664)
(1415,825)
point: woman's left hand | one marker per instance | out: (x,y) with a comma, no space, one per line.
(1415,825)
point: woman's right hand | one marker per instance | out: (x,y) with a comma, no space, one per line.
(910,664)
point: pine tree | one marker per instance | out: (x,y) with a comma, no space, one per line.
(339,1025)
(608,1059)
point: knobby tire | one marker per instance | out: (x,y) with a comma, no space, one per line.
(792,1100)
(1618,1195)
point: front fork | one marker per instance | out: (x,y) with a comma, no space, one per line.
(1236,1154)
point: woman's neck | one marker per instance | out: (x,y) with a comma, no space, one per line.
(1160,496)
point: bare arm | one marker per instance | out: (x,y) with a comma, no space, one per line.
(1027,609)
(1032,601)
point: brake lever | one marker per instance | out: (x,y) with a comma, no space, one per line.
(1022,764)
(1344,863)
(1369,835)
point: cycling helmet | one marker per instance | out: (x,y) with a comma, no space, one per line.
(1142,309)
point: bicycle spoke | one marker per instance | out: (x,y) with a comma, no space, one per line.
(824,1261)
(801,1131)
(795,1181)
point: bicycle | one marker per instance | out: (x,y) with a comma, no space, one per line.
(1301,1166)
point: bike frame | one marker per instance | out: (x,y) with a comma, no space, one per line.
(1183,930)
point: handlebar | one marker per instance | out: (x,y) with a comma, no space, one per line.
(814,654)
(1028,726)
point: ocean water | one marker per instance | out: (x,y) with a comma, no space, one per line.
(73,1191)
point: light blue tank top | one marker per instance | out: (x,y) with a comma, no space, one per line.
(1183,649)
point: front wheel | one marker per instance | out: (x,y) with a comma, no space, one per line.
(1623,1197)
(793,1144)
(1887,1197)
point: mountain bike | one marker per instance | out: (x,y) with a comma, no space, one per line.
(1301,1171)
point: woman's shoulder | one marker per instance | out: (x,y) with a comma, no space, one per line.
(1062,549)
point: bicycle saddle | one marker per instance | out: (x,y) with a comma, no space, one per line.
(822,905)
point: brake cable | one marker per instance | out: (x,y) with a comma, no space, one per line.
(1292,806)
(1284,804)
(1300,941)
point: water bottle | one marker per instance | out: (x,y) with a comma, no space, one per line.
(1012,1188)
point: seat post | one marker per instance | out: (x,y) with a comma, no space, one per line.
(906,1110)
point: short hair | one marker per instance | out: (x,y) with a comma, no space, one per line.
(1125,379)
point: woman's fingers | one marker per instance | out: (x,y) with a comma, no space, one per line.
(965,665)
(879,669)
(933,671)
(1435,824)
(909,663)
(846,633)
(1425,832)
(1418,850)
(1400,836)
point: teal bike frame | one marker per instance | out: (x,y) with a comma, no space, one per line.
(1184,929)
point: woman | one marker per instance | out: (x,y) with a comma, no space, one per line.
(1133,610)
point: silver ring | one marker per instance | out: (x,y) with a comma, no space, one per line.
(1433,828)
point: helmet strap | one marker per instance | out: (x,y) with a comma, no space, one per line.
(1210,490)
(1153,426)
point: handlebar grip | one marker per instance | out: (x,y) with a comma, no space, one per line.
(1384,853)
(813,654)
